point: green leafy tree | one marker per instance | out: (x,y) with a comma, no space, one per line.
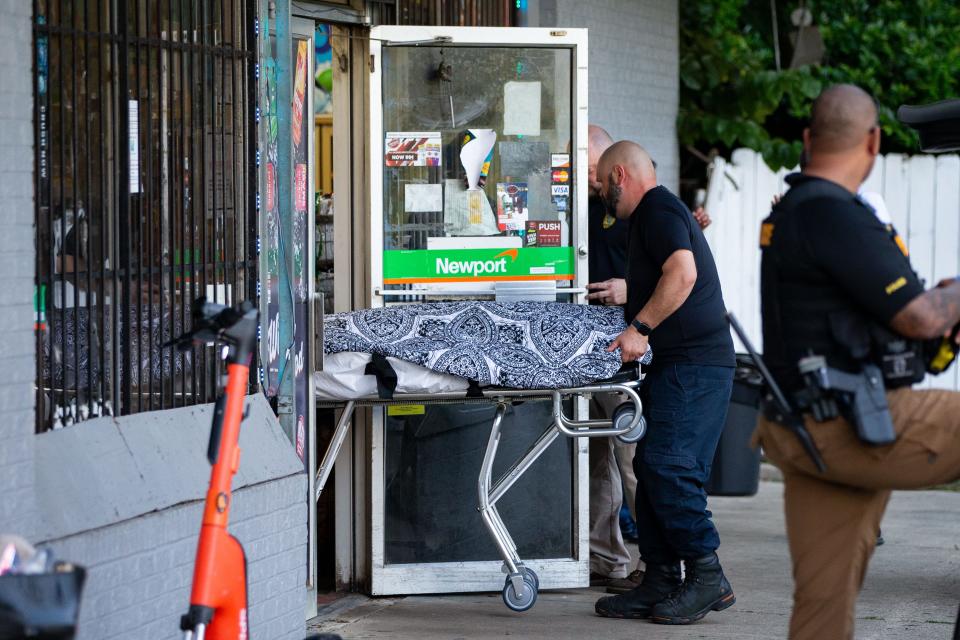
(732,95)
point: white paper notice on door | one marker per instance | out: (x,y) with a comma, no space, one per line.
(521,108)
(423,197)
(133,127)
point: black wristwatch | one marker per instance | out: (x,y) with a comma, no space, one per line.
(642,327)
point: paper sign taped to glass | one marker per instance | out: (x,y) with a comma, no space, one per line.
(521,108)
(412,149)
(468,212)
(422,198)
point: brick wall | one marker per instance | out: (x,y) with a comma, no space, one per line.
(140,570)
(634,70)
(17,257)
(134,522)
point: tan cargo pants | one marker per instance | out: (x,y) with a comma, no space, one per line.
(609,556)
(833,517)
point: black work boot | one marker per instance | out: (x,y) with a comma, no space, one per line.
(704,589)
(659,581)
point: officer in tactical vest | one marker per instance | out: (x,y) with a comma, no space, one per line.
(847,328)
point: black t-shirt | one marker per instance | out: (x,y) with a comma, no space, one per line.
(830,268)
(607,244)
(697,332)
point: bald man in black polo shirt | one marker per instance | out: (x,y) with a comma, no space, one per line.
(607,258)
(675,305)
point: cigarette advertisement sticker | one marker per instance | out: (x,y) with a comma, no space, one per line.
(412,149)
(299,89)
(542,233)
(472,265)
(511,205)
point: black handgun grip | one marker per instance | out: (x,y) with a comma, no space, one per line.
(791,420)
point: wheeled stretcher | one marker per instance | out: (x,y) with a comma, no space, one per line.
(521,583)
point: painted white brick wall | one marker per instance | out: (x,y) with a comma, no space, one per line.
(17,257)
(634,70)
(140,570)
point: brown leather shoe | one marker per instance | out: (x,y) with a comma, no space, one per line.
(622,585)
(599,580)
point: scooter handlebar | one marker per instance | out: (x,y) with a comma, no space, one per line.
(212,322)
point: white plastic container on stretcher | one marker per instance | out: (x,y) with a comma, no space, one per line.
(342,383)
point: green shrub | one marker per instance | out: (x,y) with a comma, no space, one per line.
(731,95)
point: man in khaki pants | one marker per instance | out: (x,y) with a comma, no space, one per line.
(831,277)
(607,252)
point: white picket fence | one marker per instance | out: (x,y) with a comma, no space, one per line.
(922,194)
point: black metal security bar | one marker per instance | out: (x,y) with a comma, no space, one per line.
(146,185)
(460,13)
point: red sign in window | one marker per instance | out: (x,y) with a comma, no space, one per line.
(300,187)
(543,234)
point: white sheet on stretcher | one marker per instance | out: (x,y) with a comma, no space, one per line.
(343,377)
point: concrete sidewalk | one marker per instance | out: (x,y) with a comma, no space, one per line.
(912,589)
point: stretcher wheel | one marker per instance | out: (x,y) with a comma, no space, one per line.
(521,601)
(622,416)
(530,573)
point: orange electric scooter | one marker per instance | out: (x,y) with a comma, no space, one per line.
(218,601)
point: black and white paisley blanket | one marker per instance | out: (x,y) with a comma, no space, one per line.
(526,345)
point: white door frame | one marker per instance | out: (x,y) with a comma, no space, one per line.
(485,575)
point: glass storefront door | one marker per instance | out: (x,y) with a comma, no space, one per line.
(476,138)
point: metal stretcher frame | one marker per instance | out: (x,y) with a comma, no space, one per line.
(521,584)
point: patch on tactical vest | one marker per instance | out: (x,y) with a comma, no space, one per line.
(608,221)
(899,283)
(901,245)
(766,234)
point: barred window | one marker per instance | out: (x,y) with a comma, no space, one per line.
(461,13)
(146,180)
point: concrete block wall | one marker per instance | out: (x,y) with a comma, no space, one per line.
(140,571)
(17,257)
(634,70)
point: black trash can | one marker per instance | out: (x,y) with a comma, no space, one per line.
(736,465)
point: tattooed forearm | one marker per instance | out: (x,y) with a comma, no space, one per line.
(946,303)
(930,314)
